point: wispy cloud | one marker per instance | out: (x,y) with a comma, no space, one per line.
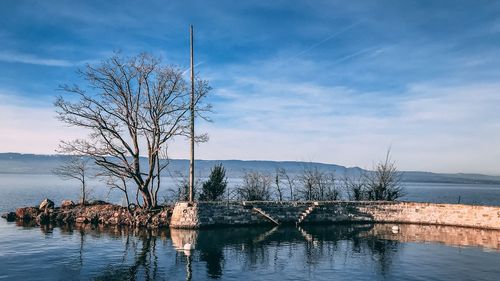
(431,125)
(324,40)
(14,57)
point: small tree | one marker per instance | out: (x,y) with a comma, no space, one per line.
(75,167)
(288,180)
(256,187)
(308,182)
(384,183)
(213,189)
(113,181)
(278,181)
(332,191)
(355,187)
(318,185)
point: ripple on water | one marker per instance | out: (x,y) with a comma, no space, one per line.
(352,252)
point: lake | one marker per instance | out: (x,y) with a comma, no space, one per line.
(340,252)
(322,252)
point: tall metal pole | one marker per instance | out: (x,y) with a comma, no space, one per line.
(191,162)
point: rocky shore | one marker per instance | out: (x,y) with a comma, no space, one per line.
(98,212)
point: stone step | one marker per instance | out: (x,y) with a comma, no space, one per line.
(306,235)
(306,213)
(265,215)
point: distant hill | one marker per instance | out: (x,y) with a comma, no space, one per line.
(16,163)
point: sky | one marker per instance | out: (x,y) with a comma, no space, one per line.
(324,81)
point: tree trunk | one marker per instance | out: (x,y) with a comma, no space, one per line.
(83,191)
(147,199)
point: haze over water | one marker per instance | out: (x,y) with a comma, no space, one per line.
(30,189)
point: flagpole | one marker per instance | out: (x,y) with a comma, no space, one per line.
(191,162)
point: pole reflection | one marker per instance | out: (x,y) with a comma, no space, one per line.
(158,255)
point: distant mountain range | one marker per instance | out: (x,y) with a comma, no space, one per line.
(17,163)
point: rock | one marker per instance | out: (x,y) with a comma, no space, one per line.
(98,202)
(27,213)
(46,204)
(81,220)
(97,213)
(43,218)
(65,217)
(65,204)
(10,216)
(69,218)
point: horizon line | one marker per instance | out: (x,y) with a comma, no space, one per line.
(279,161)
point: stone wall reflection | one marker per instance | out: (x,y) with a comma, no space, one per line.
(448,235)
(215,249)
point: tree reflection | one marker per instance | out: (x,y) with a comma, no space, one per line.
(252,249)
(382,251)
(144,265)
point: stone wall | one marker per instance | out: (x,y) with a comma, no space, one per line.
(203,214)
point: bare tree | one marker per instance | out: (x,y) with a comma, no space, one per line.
(288,180)
(384,183)
(256,187)
(119,182)
(131,107)
(76,167)
(355,187)
(278,182)
(308,179)
(318,185)
(332,189)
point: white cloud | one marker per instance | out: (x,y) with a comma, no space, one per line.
(430,127)
(30,129)
(15,57)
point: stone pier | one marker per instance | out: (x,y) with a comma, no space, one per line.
(206,214)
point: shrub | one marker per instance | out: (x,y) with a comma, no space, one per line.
(383,183)
(318,185)
(213,189)
(256,187)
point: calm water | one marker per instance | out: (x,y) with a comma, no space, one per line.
(342,252)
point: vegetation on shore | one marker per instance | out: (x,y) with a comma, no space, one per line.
(381,184)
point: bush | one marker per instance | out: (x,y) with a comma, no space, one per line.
(383,183)
(355,187)
(318,185)
(256,187)
(213,189)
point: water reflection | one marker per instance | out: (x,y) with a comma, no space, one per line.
(215,253)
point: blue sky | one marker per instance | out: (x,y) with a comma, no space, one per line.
(327,81)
